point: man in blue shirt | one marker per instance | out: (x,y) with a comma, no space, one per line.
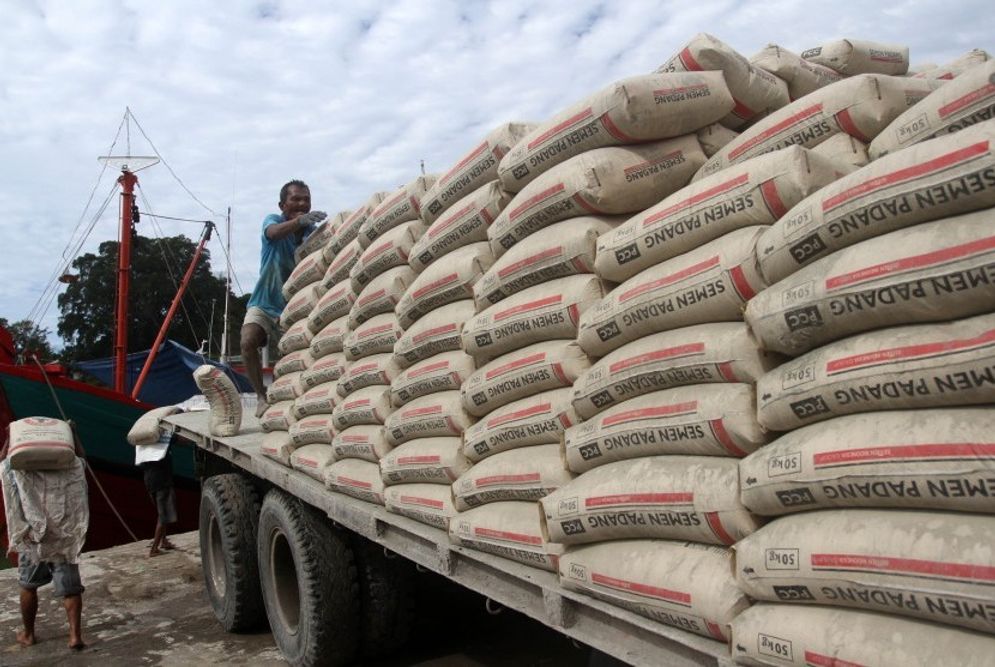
(282,233)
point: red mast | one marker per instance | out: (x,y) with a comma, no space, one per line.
(127,181)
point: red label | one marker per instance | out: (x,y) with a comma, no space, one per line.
(542,408)
(695,269)
(445,280)
(911,566)
(560,127)
(773,130)
(513,365)
(680,498)
(507,535)
(720,189)
(688,407)
(535,199)
(470,157)
(889,453)
(642,589)
(528,261)
(527,307)
(986,90)
(507,479)
(907,352)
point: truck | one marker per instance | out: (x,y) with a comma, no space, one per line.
(331,573)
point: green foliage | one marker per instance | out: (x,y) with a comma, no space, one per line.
(29,337)
(88,305)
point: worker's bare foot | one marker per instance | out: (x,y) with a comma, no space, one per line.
(153,552)
(77,644)
(25,639)
(167,545)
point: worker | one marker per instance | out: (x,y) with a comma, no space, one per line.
(156,464)
(282,233)
(47,518)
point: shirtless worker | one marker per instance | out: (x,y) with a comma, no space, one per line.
(282,233)
(48,515)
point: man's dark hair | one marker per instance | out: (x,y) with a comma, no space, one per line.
(289,184)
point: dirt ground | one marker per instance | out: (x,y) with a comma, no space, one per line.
(141,611)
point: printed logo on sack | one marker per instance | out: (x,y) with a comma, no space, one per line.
(809,407)
(507,241)
(483,339)
(397,433)
(808,247)
(572,527)
(609,331)
(435,207)
(790,593)
(588,452)
(602,398)
(425,258)
(479,398)
(481,448)
(812,52)
(796,497)
(627,254)
(803,318)
(521,171)
(403,394)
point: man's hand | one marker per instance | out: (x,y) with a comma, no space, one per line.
(312,218)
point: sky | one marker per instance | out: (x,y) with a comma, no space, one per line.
(239,97)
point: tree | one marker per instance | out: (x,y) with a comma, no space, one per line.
(157,266)
(29,337)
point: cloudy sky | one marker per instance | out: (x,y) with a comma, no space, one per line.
(241,96)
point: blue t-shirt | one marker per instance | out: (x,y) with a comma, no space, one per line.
(276,262)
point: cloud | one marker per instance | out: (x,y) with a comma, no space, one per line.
(242,96)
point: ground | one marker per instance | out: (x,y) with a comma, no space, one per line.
(141,611)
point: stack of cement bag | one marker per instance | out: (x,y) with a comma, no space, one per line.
(880,487)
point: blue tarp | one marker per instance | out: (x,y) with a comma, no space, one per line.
(170,380)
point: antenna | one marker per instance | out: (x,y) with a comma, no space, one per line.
(422,167)
(130,163)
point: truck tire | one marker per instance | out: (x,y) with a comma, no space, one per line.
(386,593)
(229,511)
(309,581)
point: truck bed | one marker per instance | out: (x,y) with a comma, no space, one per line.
(536,593)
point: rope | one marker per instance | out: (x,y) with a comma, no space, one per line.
(169,217)
(58,404)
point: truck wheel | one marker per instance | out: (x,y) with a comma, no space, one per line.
(386,597)
(229,510)
(309,583)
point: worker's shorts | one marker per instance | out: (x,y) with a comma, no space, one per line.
(268,323)
(165,505)
(65,576)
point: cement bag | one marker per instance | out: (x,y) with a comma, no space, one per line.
(425,460)
(527,473)
(321,236)
(510,530)
(145,430)
(309,270)
(317,429)
(300,306)
(700,354)
(381,295)
(686,585)
(861,106)
(925,366)
(278,445)
(430,504)
(437,332)
(348,231)
(755,92)
(802,76)
(700,420)
(956,67)
(367,442)
(399,207)
(319,400)
(40,443)
(335,303)
(967,100)
(476,168)
(340,265)
(935,179)
(844,151)
(330,338)
(536,420)
(693,498)
(374,369)
(713,137)
(369,405)
(917,459)
(285,388)
(326,369)
(278,417)
(543,312)
(435,415)
(564,248)
(852,56)
(709,284)
(522,373)
(443,372)
(641,108)
(465,223)
(390,251)
(295,362)
(312,460)
(605,181)
(297,337)
(788,634)
(359,479)
(757,192)
(933,565)
(223,399)
(444,282)
(932,272)
(380,334)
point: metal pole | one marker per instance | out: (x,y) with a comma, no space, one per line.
(127,181)
(224,328)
